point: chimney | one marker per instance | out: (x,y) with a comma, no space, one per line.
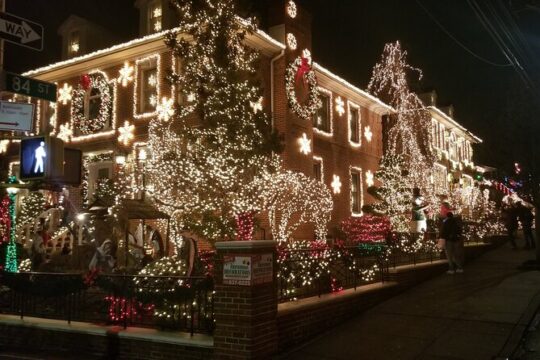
(289,20)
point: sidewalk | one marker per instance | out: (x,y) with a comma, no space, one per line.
(481,314)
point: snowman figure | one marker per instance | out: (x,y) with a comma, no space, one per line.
(419,221)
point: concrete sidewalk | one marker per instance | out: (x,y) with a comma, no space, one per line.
(478,315)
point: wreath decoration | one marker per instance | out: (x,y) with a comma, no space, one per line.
(301,69)
(88,82)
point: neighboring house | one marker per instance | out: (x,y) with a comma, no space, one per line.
(453,144)
(342,145)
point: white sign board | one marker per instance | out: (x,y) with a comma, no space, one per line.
(16,116)
(247,270)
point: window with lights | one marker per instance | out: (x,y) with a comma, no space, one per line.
(321,119)
(356,191)
(148,86)
(354,125)
(74,45)
(155,17)
(318,169)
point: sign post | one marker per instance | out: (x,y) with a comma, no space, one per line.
(26,86)
(20,31)
(16,116)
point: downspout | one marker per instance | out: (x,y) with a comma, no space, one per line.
(279,56)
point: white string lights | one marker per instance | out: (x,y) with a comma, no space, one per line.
(65,133)
(292,9)
(336,184)
(165,109)
(368,134)
(291,41)
(140,64)
(126,133)
(64,93)
(369,178)
(340,106)
(305,144)
(125,74)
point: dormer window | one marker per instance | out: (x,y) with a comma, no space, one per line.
(155,17)
(74,43)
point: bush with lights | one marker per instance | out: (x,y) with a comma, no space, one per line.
(32,206)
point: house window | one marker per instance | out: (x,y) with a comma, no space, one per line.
(321,119)
(356,191)
(354,125)
(155,17)
(318,169)
(92,103)
(74,45)
(96,172)
(440,179)
(148,90)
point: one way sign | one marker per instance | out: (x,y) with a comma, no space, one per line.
(21,31)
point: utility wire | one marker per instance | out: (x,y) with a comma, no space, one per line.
(459,42)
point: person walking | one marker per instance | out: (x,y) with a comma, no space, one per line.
(526,218)
(511,223)
(451,233)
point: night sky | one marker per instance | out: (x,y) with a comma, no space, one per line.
(348,38)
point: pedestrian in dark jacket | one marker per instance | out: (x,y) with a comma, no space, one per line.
(526,218)
(511,223)
(451,233)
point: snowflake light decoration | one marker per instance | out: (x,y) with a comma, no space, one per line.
(369,178)
(3,146)
(165,109)
(291,41)
(126,133)
(336,184)
(292,10)
(255,105)
(368,134)
(305,144)
(126,74)
(340,106)
(64,94)
(65,132)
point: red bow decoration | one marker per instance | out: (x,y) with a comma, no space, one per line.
(85,81)
(303,69)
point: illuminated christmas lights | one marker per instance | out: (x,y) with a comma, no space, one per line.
(369,178)
(125,74)
(368,134)
(340,106)
(301,69)
(64,93)
(305,144)
(126,133)
(82,98)
(65,133)
(4,146)
(291,9)
(291,41)
(336,184)
(139,63)
(165,109)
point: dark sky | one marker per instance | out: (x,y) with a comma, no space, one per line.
(348,38)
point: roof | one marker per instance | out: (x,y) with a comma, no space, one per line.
(450,121)
(140,209)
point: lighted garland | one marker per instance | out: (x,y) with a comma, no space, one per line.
(5,220)
(86,126)
(11,253)
(313,103)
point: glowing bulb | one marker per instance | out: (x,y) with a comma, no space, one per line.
(305,144)
(336,184)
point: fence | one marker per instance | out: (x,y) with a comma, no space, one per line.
(312,272)
(178,303)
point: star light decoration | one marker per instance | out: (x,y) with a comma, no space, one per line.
(126,133)
(255,105)
(165,109)
(340,106)
(291,41)
(305,144)
(64,94)
(336,184)
(126,74)
(368,134)
(369,178)
(65,132)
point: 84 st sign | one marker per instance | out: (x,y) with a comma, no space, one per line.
(21,31)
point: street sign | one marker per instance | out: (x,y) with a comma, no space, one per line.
(23,85)
(21,31)
(16,116)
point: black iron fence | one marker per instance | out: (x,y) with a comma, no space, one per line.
(176,303)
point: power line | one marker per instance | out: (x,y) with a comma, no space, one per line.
(459,42)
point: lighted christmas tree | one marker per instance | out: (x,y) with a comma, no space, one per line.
(106,192)
(394,193)
(409,133)
(208,150)
(5,220)
(32,206)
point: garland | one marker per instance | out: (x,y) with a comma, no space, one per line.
(301,68)
(86,126)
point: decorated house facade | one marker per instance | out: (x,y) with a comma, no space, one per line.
(453,144)
(107,98)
